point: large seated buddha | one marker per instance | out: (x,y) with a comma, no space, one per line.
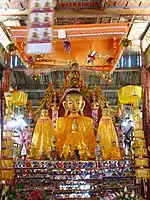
(74,105)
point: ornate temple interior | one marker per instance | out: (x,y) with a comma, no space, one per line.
(75,99)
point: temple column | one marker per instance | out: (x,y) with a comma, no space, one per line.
(146,111)
(6,80)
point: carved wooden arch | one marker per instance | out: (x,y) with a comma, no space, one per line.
(72,81)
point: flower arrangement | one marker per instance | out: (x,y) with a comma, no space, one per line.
(36,77)
(12,194)
(122,195)
(24,142)
(126,42)
(11,47)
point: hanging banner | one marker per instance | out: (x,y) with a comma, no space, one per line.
(40,27)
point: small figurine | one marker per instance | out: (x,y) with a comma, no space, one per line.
(31,153)
(53,153)
(46,18)
(46,34)
(86,153)
(115,153)
(76,154)
(35,35)
(47,4)
(67,155)
(42,155)
(98,152)
(36,18)
(37,4)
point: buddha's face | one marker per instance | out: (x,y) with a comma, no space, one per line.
(74,102)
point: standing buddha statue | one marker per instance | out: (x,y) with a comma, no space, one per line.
(74,128)
(42,135)
(108,136)
(74,141)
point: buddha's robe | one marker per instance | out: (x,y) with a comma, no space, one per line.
(115,153)
(85,127)
(42,136)
(74,141)
(108,135)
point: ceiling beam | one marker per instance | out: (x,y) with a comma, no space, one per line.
(87,12)
(27,90)
(19,69)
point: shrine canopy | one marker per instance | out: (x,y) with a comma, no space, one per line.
(129,94)
(101,40)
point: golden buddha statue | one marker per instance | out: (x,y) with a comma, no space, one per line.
(74,141)
(107,134)
(42,135)
(115,152)
(74,125)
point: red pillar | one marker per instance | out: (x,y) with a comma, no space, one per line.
(6,79)
(146,113)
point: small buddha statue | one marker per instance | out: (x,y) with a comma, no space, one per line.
(115,152)
(35,35)
(47,4)
(42,155)
(46,18)
(76,154)
(107,134)
(53,152)
(43,134)
(36,18)
(46,35)
(74,129)
(98,152)
(86,153)
(31,153)
(37,4)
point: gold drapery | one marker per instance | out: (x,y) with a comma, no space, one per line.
(6,169)
(139,143)
(42,136)
(142,173)
(85,126)
(126,94)
(108,135)
(16,98)
(140,152)
(139,134)
(141,162)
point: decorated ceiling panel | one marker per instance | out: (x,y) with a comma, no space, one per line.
(104,40)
